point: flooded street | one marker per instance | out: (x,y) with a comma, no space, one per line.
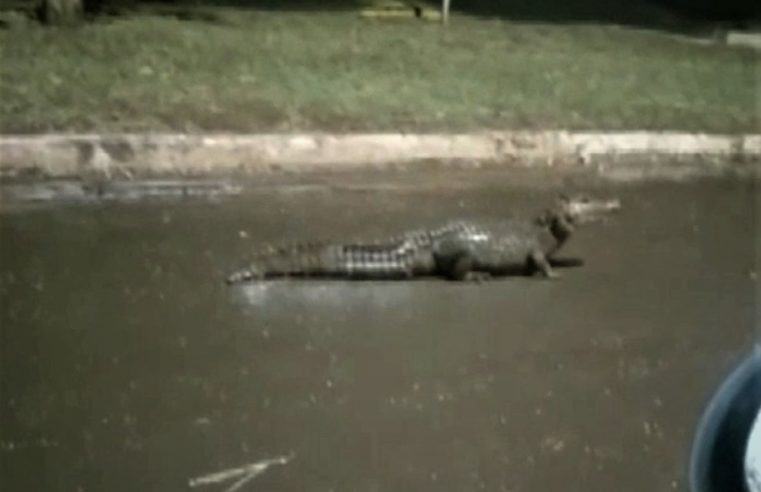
(127,364)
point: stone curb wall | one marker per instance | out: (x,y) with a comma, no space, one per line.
(127,155)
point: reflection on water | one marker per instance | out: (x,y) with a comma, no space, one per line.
(324,294)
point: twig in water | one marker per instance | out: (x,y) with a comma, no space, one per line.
(244,474)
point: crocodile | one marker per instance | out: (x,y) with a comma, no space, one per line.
(458,250)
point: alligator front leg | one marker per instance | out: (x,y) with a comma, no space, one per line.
(540,263)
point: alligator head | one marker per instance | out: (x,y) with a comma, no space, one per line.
(580,209)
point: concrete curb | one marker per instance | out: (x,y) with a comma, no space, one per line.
(60,155)
(745,39)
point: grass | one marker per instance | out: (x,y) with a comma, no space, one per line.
(245,70)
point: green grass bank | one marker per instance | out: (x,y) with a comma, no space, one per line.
(244,70)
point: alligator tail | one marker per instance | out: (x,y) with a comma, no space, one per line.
(244,275)
(299,259)
(393,258)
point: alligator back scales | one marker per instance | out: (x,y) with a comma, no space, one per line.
(396,257)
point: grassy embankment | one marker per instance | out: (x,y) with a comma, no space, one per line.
(249,70)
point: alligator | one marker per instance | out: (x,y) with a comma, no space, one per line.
(458,250)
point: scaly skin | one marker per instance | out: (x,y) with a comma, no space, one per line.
(462,250)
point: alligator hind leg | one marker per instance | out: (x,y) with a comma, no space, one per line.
(462,269)
(540,263)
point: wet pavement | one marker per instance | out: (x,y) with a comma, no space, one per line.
(126,363)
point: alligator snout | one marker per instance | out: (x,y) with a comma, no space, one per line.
(585,209)
(611,205)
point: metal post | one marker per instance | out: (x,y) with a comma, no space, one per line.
(445,11)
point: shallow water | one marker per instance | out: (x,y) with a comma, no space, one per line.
(126,363)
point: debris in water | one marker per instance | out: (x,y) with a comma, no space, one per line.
(41,443)
(244,474)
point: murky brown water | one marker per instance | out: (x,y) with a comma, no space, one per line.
(126,364)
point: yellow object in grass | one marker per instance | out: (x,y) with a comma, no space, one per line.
(398,9)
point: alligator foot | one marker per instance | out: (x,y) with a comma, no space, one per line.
(542,265)
(477,277)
